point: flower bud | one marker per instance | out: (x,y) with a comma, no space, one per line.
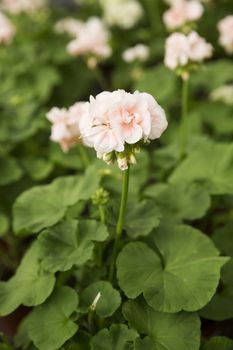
(100,197)
(94,304)
(122,163)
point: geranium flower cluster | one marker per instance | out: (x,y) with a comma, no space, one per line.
(225,27)
(17,6)
(7,30)
(113,123)
(182,12)
(185,50)
(122,13)
(65,124)
(139,52)
(91,38)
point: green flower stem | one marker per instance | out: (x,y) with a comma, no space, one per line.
(120,223)
(101,78)
(102,214)
(83,155)
(184,121)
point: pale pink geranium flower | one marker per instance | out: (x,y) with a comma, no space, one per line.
(92,39)
(7,30)
(119,118)
(225,27)
(66,124)
(139,52)
(181,49)
(69,25)
(199,48)
(17,6)
(176,50)
(182,12)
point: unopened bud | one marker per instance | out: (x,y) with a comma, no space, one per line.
(108,158)
(100,197)
(94,304)
(92,62)
(132,159)
(122,163)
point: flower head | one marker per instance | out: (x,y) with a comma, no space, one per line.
(69,25)
(225,27)
(139,52)
(181,50)
(65,124)
(118,121)
(182,12)
(92,39)
(121,13)
(7,30)
(17,6)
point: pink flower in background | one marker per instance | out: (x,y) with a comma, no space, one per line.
(7,30)
(69,25)
(182,12)
(138,52)
(119,118)
(199,48)
(181,49)
(17,6)
(92,39)
(225,27)
(65,124)
(176,50)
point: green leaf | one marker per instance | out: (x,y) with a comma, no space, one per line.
(184,276)
(69,243)
(182,201)
(108,303)
(44,206)
(141,218)
(218,343)
(213,165)
(10,170)
(30,285)
(118,337)
(50,325)
(38,169)
(164,331)
(159,82)
(221,307)
(222,238)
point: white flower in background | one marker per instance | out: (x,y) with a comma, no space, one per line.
(118,120)
(182,12)
(181,49)
(68,25)
(66,124)
(225,27)
(223,93)
(92,39)
(122,13)
(138,52)
(18,6)
(7,30)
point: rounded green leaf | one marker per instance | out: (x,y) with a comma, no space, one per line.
(180,272)
(181,201)
(213,165)
(30,286)
(220,306)
(141,218)
(118,337)
(43,206)
(164,331)
(218,343)
(69,243)
(37,168)
(50,325)
(108,302)
(10,171)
